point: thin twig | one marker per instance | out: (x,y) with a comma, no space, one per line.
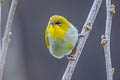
(106,39)
(6,37)
(0,30)
(1,1)
(0,33)
(81,42)
(0,25)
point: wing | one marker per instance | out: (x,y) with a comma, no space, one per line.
(46,38)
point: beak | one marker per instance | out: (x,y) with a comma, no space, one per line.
(52,23)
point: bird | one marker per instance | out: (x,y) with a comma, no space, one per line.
(60,36)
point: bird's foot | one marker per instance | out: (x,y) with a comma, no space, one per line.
(71,57)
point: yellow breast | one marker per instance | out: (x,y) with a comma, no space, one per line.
(57,32)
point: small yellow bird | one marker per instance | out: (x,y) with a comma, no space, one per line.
(60,36)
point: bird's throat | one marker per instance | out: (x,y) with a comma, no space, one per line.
(57,32)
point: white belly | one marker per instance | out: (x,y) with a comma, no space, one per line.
(60,48)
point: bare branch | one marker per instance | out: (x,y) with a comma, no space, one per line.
(6,37)
(0,29)
(110,12)
(0,26)
(81,42)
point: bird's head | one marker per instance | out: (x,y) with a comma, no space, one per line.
(60,21)
(58,26)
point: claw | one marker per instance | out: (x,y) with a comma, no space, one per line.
(71,57)
(81,35)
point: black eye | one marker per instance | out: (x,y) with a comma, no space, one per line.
(59,23)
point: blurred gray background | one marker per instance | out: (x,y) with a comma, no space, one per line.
(29,59)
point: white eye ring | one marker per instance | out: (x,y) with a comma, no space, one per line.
(59,23)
